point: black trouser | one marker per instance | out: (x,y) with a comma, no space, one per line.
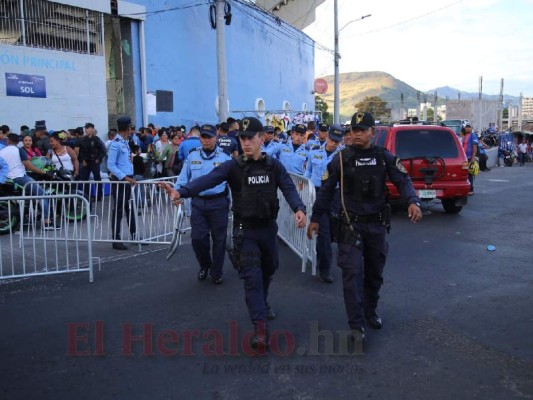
(483,162)
(85,173)
(121,193)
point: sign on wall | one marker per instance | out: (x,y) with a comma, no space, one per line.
(25,85)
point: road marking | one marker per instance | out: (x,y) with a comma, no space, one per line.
(498,180)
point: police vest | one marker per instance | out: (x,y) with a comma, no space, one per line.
(364,173)
(257,199)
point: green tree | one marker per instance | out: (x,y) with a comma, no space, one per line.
(375,106)
(321,105)
(505,113)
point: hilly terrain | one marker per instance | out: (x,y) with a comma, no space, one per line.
(355,86)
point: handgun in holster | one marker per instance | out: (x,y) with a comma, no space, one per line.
(235,252)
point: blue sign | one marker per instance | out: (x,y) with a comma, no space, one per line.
(25,85)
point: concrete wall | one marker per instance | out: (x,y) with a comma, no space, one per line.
(262,62)
(75,89)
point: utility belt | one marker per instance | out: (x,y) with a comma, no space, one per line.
(213,196)
(379,217)
(252,223)
(342,232)
(115,179)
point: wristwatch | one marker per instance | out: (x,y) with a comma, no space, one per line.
(417,203)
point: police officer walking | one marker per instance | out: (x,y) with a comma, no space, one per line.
(120,166)
(361,170)
(293,154)
(210,208)
(254,179)
(316,167)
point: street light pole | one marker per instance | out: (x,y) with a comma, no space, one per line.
(221,63)
(337,57)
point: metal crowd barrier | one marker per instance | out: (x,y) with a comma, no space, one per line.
(296,238)
(41,249)
(149,208)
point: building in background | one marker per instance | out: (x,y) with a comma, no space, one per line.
(73,61)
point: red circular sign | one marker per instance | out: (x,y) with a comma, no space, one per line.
(321,86)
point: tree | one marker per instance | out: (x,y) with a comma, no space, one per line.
(375,106)
(321,105)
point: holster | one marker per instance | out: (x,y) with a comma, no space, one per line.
(386,215)
(235,252)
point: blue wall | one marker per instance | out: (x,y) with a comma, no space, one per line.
(272,63)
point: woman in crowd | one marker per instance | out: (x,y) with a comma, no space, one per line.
(29,148)
(169,154)
(62,156)
(159,146)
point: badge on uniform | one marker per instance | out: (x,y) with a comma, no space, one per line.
(325,175)
(400,166)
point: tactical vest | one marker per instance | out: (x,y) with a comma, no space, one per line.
(364,173)
(258,198)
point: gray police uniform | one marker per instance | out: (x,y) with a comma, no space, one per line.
(362,244)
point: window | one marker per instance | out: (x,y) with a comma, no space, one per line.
(51,26)
(425,143)
(164,101)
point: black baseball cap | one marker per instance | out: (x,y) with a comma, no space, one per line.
(362,120)
(250,126)
(269,129)
(300,128)
(336,132)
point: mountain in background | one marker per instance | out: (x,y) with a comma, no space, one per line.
(355,86)
(452,93)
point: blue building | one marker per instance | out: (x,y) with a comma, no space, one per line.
(92,60)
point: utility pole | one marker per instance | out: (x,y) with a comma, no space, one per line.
(337,57)
(221,63)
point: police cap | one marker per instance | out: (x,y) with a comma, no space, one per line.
(269,129)
(300,128)
(336,132)
(208,130)
(123,123)
(40,125)
(250,126)
(362,120)
(323,127)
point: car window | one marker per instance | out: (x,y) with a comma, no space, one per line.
(380,140)
(425,143)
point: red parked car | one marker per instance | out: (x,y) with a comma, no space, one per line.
(434,159)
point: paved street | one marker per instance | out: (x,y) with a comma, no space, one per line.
(458,320)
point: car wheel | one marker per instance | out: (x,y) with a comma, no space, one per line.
(450,207)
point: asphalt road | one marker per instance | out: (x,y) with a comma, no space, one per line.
(458,320)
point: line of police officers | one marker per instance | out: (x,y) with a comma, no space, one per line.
(351,191)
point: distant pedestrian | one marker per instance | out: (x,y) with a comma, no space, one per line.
(522,152)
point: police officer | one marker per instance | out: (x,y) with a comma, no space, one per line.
(254,179)
(120,166)
(365,218)
(320,141)
(270,146)
(316,167)
(293,154)
(209,216)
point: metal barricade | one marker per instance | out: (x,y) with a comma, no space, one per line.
(296,238)
(148,216)
(41,249)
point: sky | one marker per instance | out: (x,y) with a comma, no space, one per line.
(429,44)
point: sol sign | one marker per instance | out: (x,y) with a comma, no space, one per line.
(25,85)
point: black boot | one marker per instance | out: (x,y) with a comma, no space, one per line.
(259,341)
